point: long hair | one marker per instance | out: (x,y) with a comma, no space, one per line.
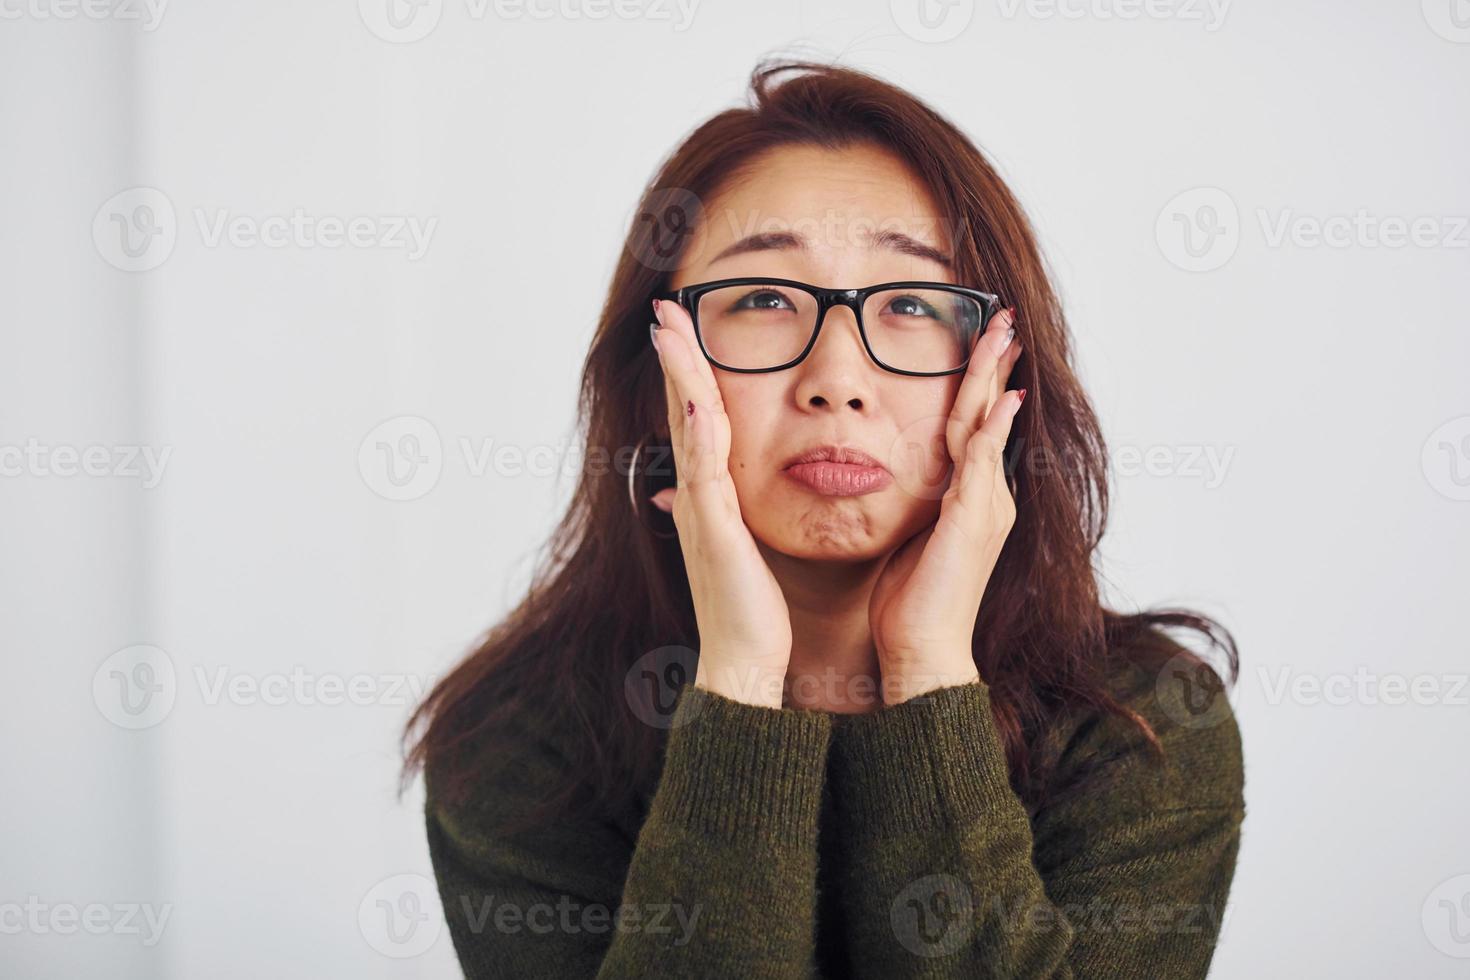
(607,591)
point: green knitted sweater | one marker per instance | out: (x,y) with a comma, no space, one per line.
(797,843)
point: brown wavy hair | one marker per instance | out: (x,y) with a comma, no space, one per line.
(606,590)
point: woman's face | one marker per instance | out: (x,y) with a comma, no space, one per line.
(831,218)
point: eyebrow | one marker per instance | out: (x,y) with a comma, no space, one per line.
(895,241)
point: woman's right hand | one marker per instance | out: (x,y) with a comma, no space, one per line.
(744,625)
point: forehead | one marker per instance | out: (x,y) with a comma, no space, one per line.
(835,198)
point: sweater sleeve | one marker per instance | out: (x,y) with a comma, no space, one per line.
(720,882)
(944,874)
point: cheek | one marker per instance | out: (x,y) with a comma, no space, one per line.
(753,409)
(919,455)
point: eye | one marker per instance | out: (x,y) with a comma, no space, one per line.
(763,299)
(910,306)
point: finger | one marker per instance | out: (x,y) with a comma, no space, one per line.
(975,396)
(985,452)
(695,410)
(674,317)
(1003,367)
(706,392)
(673,401)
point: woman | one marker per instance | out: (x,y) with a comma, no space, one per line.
(856,709)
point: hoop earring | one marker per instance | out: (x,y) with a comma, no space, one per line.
(633,495)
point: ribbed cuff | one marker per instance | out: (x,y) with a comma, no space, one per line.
(738,771)
(932,762)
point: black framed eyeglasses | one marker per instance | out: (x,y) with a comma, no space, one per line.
(757,324)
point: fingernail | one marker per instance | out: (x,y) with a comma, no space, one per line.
(653,329)
(657,312)
(1021,398)
(689,408)
(1005,340)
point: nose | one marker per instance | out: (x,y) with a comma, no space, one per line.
(838,372)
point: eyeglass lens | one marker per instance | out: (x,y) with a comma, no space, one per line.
(757,326)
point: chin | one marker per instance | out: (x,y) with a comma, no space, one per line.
(848,529)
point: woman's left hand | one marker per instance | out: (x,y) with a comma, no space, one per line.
(923,608)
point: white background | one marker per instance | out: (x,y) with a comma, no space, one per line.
(1328,380)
